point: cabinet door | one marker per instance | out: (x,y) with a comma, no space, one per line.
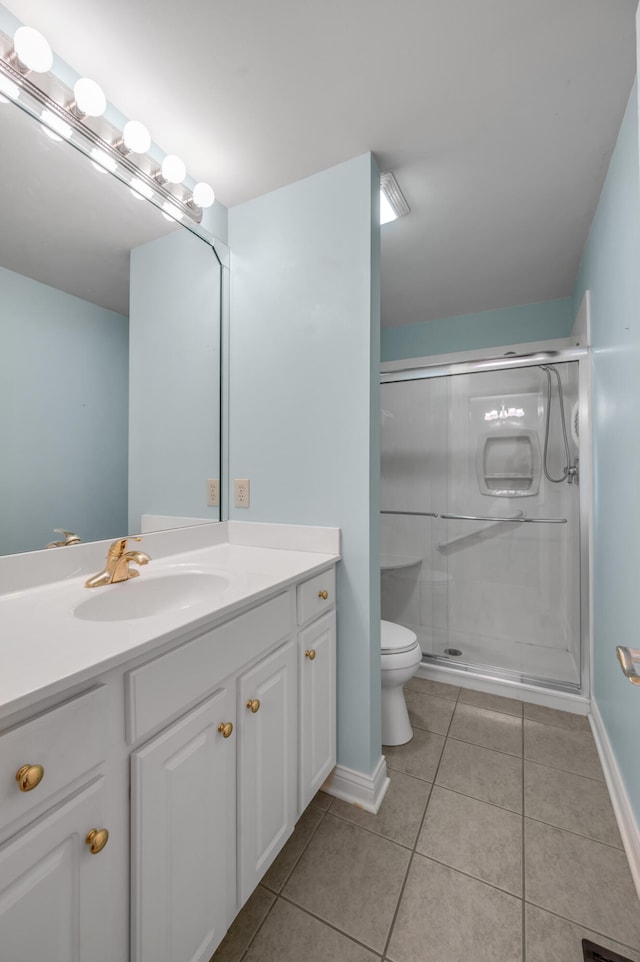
(56,897)
(267,774)
(317,706)
(183,837)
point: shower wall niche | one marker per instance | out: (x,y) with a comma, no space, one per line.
(493,581)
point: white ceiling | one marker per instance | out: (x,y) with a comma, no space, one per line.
(498,117)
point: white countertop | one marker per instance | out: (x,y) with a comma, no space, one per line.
(45,647)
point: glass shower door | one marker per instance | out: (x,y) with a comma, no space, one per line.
(495,580)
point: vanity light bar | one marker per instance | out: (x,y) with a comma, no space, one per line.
(16,77)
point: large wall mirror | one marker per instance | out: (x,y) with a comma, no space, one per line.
(109,349)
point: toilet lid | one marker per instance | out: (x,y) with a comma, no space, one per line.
(396,638)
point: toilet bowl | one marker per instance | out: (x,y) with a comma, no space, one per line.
(401,656)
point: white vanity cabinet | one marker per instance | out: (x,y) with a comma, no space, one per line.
(182,821)
(267,770)
(63,861)
(317,684)
(197,756)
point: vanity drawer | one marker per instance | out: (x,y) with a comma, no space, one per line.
(311,596)
(174,682)
(67,742)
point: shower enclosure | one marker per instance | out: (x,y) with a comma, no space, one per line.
(481,515)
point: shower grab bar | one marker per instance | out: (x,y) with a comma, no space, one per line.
(413,514)
(629,658)
(495,522)
(482,517)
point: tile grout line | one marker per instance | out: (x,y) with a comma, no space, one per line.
(288,876)
(329,925)
(415,844)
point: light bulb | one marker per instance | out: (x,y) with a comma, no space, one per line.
(90,100)
(140,189)
(102,161)
(173,169)
(9,88)
(57,124)
(136,137)
(203,195)
(32,50)
(170,211)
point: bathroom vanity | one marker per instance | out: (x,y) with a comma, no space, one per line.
(159,739)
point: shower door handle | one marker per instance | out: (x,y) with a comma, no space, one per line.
(629,658)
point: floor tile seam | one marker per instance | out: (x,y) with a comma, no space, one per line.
(475,878)
(581,925)
(562,728)
(422,728)
(401,771)
(500,751)
(474,798)
(303,850)
(554,768)
(588,838)
(372,831)
(255,934)
(329,925)
(498,711)
(411,858)
(429,694)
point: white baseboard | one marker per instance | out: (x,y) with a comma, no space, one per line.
(365,791)
(619,798)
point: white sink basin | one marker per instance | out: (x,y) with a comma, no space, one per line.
(150,595)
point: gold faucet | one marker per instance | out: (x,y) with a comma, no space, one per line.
(117,567)
(69,538)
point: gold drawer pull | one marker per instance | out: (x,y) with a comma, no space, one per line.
(311,654)
(225,729)
(253,705)
(97,839)
(323,594)
(29,776)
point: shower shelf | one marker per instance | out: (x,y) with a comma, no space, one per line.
(389,562)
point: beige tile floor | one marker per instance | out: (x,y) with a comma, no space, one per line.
(496,842)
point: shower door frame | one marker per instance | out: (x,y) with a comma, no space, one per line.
(396,371)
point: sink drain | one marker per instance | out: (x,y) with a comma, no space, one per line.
(453,651)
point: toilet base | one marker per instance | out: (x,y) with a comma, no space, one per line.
(396,727)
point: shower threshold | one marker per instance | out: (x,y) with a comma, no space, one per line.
(490,673)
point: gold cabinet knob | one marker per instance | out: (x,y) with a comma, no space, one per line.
(253,705)
(29,776)
(225,729)
(96,839)
(323,594)
(310,654)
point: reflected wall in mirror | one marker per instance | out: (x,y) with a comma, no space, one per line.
(74,351)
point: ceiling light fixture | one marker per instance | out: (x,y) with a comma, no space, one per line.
(63,112)
(136,139)
(392,200)
(30,51)
(54,126)
(89,101)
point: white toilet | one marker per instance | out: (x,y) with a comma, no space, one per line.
(401,656)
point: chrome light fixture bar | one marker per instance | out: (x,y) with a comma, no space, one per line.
(66,111)
(392,200)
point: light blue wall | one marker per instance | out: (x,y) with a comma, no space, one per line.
(304,410)
(468,332)
(63,416)
(174,426)
(610,269)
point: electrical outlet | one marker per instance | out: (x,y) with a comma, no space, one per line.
(241,492)
(213,493)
